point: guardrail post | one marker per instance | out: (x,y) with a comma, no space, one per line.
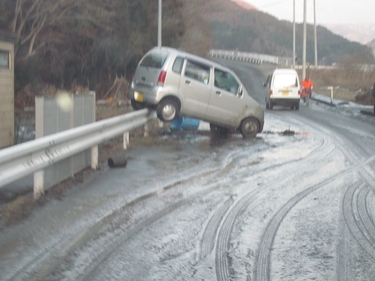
(145,134)
(38,184)
(94,158)
(331,88)
(126,140)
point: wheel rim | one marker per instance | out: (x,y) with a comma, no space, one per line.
(168,112)
(250,128)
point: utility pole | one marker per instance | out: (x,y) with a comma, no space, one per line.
(294,34)
(315,39)
(159,23)
(304,42)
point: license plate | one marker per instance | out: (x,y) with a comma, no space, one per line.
(285,93)
(138,96)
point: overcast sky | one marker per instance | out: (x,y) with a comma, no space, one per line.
(327,11)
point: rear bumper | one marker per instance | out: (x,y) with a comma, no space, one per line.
(285,102)
(150,96)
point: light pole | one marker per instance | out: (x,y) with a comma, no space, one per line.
(294,34)
(304,42)
(159,24)
(315,39)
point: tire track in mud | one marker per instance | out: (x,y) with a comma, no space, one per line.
(357,155)
(357,217)
(221,257)
(358,229)
(263,259)
(222,263)
(50,261)
(263,262)
(111,250)
(208,240)
(60,251)
(210,230)
(345,258)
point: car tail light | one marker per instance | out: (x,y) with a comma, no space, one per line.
(271,93)
(299,92)
(161,78)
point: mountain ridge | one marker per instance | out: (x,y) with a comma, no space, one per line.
(249,30)
(362,33)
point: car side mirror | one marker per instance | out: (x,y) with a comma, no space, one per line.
(240,91)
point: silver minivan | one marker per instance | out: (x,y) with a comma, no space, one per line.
(176,83)
(283,88)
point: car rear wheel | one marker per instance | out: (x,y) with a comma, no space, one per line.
(249,127)
(167,110)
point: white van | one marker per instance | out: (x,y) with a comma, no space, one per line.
(176,83)
(283,88)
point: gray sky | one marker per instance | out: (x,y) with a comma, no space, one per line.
(327,11)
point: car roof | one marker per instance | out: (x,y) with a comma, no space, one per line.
(186,54)
(285,70)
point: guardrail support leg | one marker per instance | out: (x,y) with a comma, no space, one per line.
(145,134)
(126,140)
(94,158)
(38,184)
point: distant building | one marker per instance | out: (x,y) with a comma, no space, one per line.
(7,41)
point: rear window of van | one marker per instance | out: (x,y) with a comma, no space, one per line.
(155,60)
(285,80)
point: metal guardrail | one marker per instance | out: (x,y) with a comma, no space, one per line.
(33,156)
(249,57)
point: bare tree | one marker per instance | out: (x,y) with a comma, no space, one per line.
(32,16)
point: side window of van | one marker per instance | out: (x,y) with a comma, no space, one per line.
(197,71)
(177,65)
(224,80)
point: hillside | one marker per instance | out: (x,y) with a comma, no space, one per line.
(239,28)
(362,33)
(371,43)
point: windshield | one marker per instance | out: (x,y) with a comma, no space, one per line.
(285,80)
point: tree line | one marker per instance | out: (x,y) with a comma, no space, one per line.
(85,42)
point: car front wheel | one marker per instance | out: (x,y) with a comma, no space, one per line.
(167,110)
(249,127)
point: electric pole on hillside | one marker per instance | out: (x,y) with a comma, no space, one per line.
(315,39)
(294,34)
(159,24)
(304,42)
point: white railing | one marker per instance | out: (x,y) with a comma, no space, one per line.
(32,157)
(249,57)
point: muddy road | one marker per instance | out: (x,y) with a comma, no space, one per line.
(295,203)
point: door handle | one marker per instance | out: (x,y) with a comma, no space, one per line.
(187,82)
(218,92)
